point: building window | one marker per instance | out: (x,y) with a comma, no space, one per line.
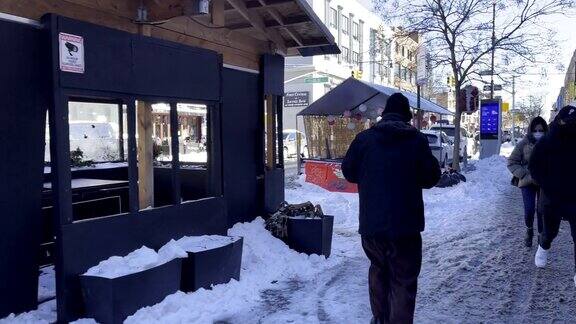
(355,58)
(355,30)
(404,74)
(346,54)
(398,70)
(345,22)
(333,18)
(397,47)
(403,51)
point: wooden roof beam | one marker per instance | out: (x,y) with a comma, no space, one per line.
(258,23)
(288,21)
(252,4)
(280,20)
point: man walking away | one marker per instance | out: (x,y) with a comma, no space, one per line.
(553,167)
(391,163)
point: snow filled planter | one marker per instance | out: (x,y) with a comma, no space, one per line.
(310,235)
(304,227)
(211,260)
(118,287)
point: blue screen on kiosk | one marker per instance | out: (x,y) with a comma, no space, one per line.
(490,120)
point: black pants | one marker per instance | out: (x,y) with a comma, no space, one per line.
(530,196)
(393,277)
(552,226)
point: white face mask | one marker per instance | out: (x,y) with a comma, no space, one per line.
(538,136)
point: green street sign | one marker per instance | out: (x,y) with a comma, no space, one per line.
(316,80)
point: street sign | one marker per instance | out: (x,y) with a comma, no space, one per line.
(316,80)
(485,72)
(505,107)
(296,99)
(497,87)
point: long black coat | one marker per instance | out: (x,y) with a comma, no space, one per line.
(391,163)
(553,167)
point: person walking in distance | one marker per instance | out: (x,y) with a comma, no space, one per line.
(391,163)
(553,167)
(518,166)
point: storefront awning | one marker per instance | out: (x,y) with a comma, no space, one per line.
(353,93)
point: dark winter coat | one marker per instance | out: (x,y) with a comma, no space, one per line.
(553,167)
(520,157)
(391,163)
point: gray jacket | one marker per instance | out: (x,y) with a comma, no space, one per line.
(519,159)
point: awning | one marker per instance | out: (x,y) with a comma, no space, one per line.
(353,93)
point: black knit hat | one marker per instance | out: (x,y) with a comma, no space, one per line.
(567,115)
(398,104)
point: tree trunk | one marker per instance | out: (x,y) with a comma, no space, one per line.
(457,119)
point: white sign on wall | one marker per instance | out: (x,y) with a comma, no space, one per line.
(71,53)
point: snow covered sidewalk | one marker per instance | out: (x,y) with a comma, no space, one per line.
(475,267)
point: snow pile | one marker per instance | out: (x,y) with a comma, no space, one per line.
(46,284)
(139,260)
(45,314)
(265,262)
(201,243)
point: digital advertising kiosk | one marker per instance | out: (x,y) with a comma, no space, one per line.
(490,127)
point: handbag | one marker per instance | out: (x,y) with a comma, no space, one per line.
(515,181)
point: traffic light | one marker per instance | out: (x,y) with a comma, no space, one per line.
(451,81)
(357,74)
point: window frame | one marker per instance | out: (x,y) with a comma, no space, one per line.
(333,18)
(345,24)
(355,30)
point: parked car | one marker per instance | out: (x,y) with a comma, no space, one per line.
(289,140)
(466,141)
(441,145)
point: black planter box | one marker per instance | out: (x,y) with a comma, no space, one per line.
(211,267)
(311,236)
(113,300)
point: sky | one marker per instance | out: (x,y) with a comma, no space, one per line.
(564,26)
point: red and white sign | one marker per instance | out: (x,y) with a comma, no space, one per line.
(71,53)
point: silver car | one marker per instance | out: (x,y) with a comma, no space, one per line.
(441,145)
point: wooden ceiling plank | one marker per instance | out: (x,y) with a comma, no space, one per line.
(278,17)
(288,21)
(258,23)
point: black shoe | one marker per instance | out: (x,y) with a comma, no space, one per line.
(529,237)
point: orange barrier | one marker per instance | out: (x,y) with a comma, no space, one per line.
(328,175)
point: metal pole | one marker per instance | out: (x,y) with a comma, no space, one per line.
(512,110)
(493,48)
(418,119)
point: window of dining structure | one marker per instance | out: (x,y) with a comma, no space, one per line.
(192,134)
(94,133)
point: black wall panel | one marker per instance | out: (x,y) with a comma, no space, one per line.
(243,145)
(107,57)
(273,74)
(169,69)
(117,61)
(23,104)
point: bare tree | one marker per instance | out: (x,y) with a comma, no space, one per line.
(463,35)
(531,107)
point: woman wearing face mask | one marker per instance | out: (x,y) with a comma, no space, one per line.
(518,166)
(553,166)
